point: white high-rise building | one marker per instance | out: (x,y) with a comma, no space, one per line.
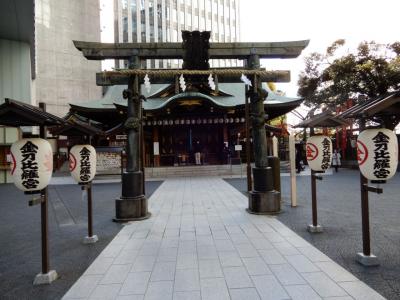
(160,21)
(63,75)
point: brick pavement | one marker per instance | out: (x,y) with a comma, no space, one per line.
(201,244)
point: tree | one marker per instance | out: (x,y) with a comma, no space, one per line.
(372,70)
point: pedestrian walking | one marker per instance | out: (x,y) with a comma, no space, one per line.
(336,160)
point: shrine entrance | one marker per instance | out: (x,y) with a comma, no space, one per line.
(178,144)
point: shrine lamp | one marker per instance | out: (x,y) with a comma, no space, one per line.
(32,164)
(82,163)
(319,152)
(377,154)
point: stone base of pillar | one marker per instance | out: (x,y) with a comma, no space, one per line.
(131,209)
(264,199)
(132,205)
(90,239)
(264,203)
(45,278)
(315,229)
(367,260)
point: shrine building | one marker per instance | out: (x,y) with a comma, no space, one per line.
(179,124)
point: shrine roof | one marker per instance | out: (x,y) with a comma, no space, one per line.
(232,94)
(324,119)
(16,113)
(387,104)
(76,127)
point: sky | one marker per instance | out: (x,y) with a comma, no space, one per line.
(320,21)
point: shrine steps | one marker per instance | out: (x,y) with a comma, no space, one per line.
(202,170)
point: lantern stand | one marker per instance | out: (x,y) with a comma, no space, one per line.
(366,258)
(90,238)
(386,108)
(323,120)
(15,113)
(46,276)
(314,227)
(74,127)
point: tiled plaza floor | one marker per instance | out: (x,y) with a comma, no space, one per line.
(201,244)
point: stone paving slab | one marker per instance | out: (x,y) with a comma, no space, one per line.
(201,244)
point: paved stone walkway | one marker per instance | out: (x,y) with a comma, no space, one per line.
(201,244)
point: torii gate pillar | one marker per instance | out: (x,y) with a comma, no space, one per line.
(132,205)
(263,199)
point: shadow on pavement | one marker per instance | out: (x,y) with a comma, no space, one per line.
(20,251)
(339,213)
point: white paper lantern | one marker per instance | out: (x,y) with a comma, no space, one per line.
(82,163)
(32,164)
(377,153)
(319,152)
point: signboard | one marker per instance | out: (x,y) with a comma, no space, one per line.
(238,147)
(82,163)
(31,164)
(108,160)
(319,152)
(377,153)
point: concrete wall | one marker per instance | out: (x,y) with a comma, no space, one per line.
(8,135)
(15,71)
(63,75)
(15,83)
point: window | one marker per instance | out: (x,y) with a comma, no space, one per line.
(125,29)
(159,22)
(124,4)
(202,21)
(174,35)
(134,21)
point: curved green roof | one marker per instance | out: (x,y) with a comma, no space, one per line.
(235,97)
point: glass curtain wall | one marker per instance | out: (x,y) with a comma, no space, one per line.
(162,20)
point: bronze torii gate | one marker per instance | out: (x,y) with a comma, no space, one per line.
(195,51)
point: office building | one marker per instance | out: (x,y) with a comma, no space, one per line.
(163,20)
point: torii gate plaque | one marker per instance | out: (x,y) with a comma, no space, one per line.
(132,205)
